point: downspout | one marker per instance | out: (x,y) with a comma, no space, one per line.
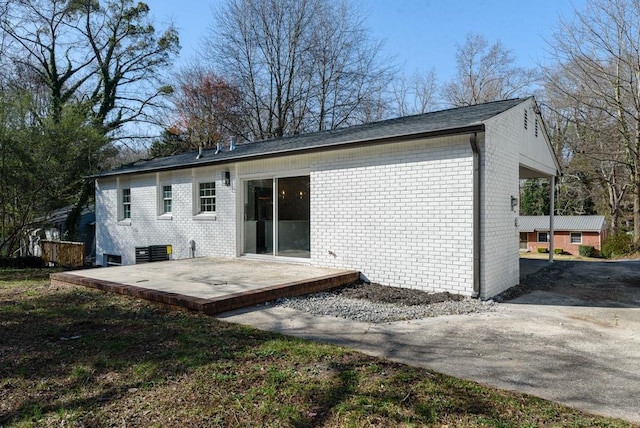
(551,215)
(473,140)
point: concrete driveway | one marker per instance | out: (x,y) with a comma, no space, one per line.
(574,338)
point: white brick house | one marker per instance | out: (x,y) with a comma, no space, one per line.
(423,201)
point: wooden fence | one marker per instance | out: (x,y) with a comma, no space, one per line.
(63,253)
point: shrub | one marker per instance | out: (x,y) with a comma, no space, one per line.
(21,262)
(558,251)
(587,251)
(617,245)
(543,250)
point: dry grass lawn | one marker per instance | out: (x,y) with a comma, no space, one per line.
(83,358)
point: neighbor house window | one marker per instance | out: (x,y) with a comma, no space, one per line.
(208,197)
(126,203)
(167,199)
(576,237)
(543,237)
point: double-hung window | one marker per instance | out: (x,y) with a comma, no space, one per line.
(207,197)
(543,237)
(126,203)
(576,237)
(167,199)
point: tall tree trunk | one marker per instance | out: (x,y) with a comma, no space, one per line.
(636,187)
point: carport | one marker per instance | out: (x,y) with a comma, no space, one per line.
(538,161)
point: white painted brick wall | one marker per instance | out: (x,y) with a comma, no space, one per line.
(399,213)
(213,237)
(500,181)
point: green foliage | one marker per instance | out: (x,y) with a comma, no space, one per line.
(617,245)
(67,101)
(587,251)
(543,250)
(171,143)
(558,251)
(534,199)
(44,161)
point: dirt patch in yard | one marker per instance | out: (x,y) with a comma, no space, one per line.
(603,283)
(384,294)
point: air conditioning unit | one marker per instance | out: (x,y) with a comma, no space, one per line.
(152,253)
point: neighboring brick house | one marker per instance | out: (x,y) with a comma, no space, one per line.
(569,232)
(423,201)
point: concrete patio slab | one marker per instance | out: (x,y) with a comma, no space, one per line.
(210,285)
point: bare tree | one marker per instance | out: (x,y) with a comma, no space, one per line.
(45,46)
(485,73)
(301,65)
(415,94)
(88,68)
(207,107)
(130,55)
(107,55)
(598,61)
(348,75)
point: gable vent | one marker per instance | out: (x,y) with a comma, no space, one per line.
(525,119)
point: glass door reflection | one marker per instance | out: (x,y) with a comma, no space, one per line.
(258,217)
(293,217)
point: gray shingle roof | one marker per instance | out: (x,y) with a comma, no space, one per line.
(577,223)
(444,122)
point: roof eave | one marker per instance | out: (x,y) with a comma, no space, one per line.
(479,127)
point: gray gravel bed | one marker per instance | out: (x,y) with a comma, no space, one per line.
(374,312)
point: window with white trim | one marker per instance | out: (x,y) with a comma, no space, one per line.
(207,197)
(167,199)
(543,237)
(575,237)
(126,203)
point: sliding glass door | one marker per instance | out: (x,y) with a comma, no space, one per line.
(288,218)
(258,217)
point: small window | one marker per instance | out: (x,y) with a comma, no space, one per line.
(112,260)
(126,203)
(525,120)
(207,197)
(576,237)
(167,198)
(543,237)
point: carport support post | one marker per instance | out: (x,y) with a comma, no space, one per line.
(551,214)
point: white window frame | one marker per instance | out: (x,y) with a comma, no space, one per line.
(203,199)
(166,199)
(546,234)
(164,180)
(197,199)
(126,204)
(123,184)
(571,234)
